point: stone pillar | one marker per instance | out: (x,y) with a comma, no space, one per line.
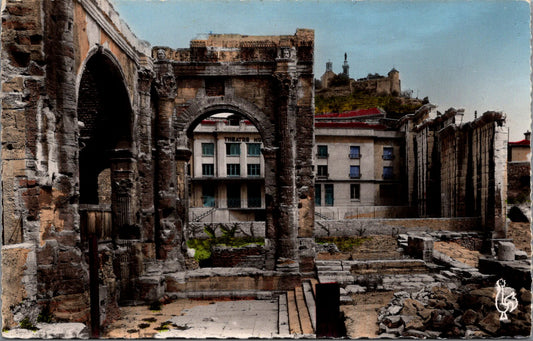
(166,237)
(123,171)
(501,139)
(182,157)
(287,222)
(270,157)
(144,156)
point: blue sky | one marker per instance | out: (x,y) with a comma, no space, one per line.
(473,55)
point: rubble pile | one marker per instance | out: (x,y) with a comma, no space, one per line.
(468,312)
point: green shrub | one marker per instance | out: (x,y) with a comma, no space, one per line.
(26,324)
(203,246)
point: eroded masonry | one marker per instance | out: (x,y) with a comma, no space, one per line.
(96,132)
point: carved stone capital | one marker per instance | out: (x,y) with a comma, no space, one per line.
(144,78)
(165,85)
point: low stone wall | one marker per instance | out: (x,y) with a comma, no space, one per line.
(229,279)
(246,256)
(242,229)
(364,212)
(350,227)
(365,227)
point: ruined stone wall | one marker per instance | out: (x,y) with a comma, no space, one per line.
(460,170)
(45,47)
(367,227)
(518,182)
(38,163)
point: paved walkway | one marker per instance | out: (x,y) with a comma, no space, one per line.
(230,319)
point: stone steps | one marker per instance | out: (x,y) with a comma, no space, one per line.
(300,310)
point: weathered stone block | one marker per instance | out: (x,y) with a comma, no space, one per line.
(506,251)
(19,270)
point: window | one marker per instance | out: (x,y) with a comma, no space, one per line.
(354,152)
(208,149)
(354,172)
(254,169)
(322,171)
(387,173)
(254,195)
(233,169)
(322,151)
(355,192)
(318,195)
(208,169)
(329,194)
(234,196)
(233,149)
(388,153)
(208,196)
(254,149)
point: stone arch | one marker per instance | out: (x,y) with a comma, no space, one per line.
(111,58)
(105,116)
(200,108)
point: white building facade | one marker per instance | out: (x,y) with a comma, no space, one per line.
(359,169)
(226,172)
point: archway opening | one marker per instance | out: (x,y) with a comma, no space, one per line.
(227,186)
(106,178)
(227,170)
(104,113)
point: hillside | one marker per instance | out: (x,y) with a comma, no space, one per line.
(339,99)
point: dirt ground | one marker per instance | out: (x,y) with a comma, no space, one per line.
(140,322)
(458,252)
(520,233)
(376,247)
(361,316)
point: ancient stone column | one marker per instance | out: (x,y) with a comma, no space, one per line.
(182,157)
(144,155)
(270,157)
(167,237)
(287,223)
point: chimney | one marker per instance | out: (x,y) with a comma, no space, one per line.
(527,135)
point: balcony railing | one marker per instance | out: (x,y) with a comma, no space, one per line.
(355,175)
(322,156)
(388,157)
(388,176)
(322,176)
(354,156)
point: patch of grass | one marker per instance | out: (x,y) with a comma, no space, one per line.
(163,327)
(203,246)
(26,324)
(5,330)
(143,325)
(344,244)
